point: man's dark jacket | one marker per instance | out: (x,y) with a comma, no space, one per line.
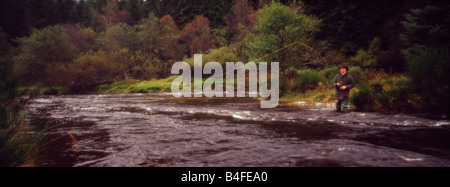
(345,80)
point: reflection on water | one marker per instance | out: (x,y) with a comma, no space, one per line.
(158,130)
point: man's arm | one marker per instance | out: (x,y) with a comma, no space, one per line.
(335,81)
(351,84)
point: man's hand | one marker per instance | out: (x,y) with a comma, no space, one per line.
(343,87)
(338,84)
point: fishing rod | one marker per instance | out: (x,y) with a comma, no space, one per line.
(288,46)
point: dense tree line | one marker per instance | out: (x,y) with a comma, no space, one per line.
(19,16)
(347,26)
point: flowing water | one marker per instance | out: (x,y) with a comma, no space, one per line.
(159,130)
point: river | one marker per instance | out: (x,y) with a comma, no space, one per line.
(157,130)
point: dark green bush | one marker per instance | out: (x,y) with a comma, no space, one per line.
(429,70)
(363,99)
(358,74)
(308,79)
(330,72)
(373,96)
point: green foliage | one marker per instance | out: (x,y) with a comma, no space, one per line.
(330,72)
(135,7)
(350,25)
(41,52)
(82,38)
(88,70)
(95,68)
(18,147)
(359,75)
(51,56)
(236,52)
(136,86)
(428,26)
(184,11)
(37,90)
(363,99)
(222,36)
(427,35)
(222,55)
(369,58)
(120,36)
(278,26)
(307,79)
(394,94)
(429,72)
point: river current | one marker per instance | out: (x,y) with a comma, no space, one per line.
(157,130)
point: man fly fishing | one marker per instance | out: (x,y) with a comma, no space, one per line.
(342,83)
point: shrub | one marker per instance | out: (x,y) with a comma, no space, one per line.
(369,58)
(392,94)
(221,55)
(363,99)
(308,79)
(429,71)
(197,35)
(359,75)
(88,70)
(41,52)
(330,72)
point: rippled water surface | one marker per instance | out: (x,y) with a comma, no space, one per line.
(158,130)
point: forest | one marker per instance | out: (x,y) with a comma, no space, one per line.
(75,46)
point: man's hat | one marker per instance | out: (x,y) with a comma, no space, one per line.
(343,66)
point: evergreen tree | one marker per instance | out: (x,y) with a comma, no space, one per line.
(63,11)
(135,7)
(350,25)
(153,6)
(214,10)
(428,26)
(181,10)
(427,36)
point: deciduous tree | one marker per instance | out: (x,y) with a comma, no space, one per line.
(42,51)
(111,14)
(279,26)
(197,35)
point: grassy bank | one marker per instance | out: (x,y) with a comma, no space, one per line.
(37,90)
(373,91)
(19,143)
(135,86)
